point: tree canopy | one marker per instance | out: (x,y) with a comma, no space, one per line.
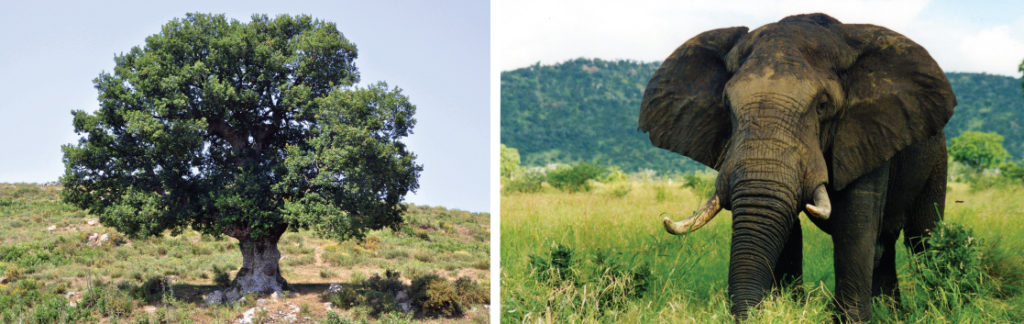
(978,150)
(242,129)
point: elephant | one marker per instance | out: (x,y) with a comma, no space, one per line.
(841,121)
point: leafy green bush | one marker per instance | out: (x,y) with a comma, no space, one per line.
(376,293)
(574,178)
(529,180)
(434,296)
(471,293)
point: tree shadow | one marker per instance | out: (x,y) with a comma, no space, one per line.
(193,294)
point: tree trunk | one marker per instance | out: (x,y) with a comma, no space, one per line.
(260,272)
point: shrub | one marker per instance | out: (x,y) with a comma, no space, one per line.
(575,178)
(377,293)
(529,180)
(434,296)
(390,283)
(471,293)
(347,297)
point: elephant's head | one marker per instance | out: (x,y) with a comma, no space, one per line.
(784,113)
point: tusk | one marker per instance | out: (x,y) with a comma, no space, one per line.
(822,207)
(699,218)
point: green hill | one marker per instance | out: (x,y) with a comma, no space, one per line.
(586,110)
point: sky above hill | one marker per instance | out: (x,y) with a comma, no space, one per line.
(962,36)
(438,53)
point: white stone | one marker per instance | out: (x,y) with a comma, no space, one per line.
(52,228)
(92,222)
(104,238)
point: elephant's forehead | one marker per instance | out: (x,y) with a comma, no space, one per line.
(804,44)
(767,82)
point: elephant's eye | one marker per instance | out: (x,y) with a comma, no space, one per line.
(823,104)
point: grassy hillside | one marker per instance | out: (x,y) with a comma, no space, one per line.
(587,110)
(603,256)
(57,270)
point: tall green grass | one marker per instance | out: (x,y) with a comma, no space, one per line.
(688,274)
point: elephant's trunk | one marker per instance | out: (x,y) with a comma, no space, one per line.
(763,214)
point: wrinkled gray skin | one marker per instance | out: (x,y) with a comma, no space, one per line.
(803,103)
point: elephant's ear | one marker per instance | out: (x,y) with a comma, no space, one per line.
(896,95)
(683,108)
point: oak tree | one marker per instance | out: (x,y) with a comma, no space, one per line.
(245,130)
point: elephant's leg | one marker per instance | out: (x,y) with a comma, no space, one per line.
(789,268)
(926,210)
(928,201)
(884,279)
(856,221)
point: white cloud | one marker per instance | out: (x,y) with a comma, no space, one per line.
(529,31)
(992,49)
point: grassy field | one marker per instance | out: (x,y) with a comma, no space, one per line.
(603,256)
(49,263)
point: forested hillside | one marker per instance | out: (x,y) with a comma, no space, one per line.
(586,110)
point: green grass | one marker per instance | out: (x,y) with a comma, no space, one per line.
(613,228)
(114,281)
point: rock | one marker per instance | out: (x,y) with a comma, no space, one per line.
(214,298)
(104,238)
(92,222)
(52,228)
(332,290)
(328,306)
(261,302)
(150,309)
(248,315)
(276,295)
(93,237)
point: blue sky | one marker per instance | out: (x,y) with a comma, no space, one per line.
(437,52)
(963,36)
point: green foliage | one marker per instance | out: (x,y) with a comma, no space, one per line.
(215,124)
(509,161)
(575,178)
(950,270)
(988,103)
(434,296)
(528,180)
(607,280)
(978,150)
(702,183)
(586,109)
(581,110)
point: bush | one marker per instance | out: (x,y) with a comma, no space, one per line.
(575,178)
(433,296)
(530,180)
(471,293)
(377,293)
